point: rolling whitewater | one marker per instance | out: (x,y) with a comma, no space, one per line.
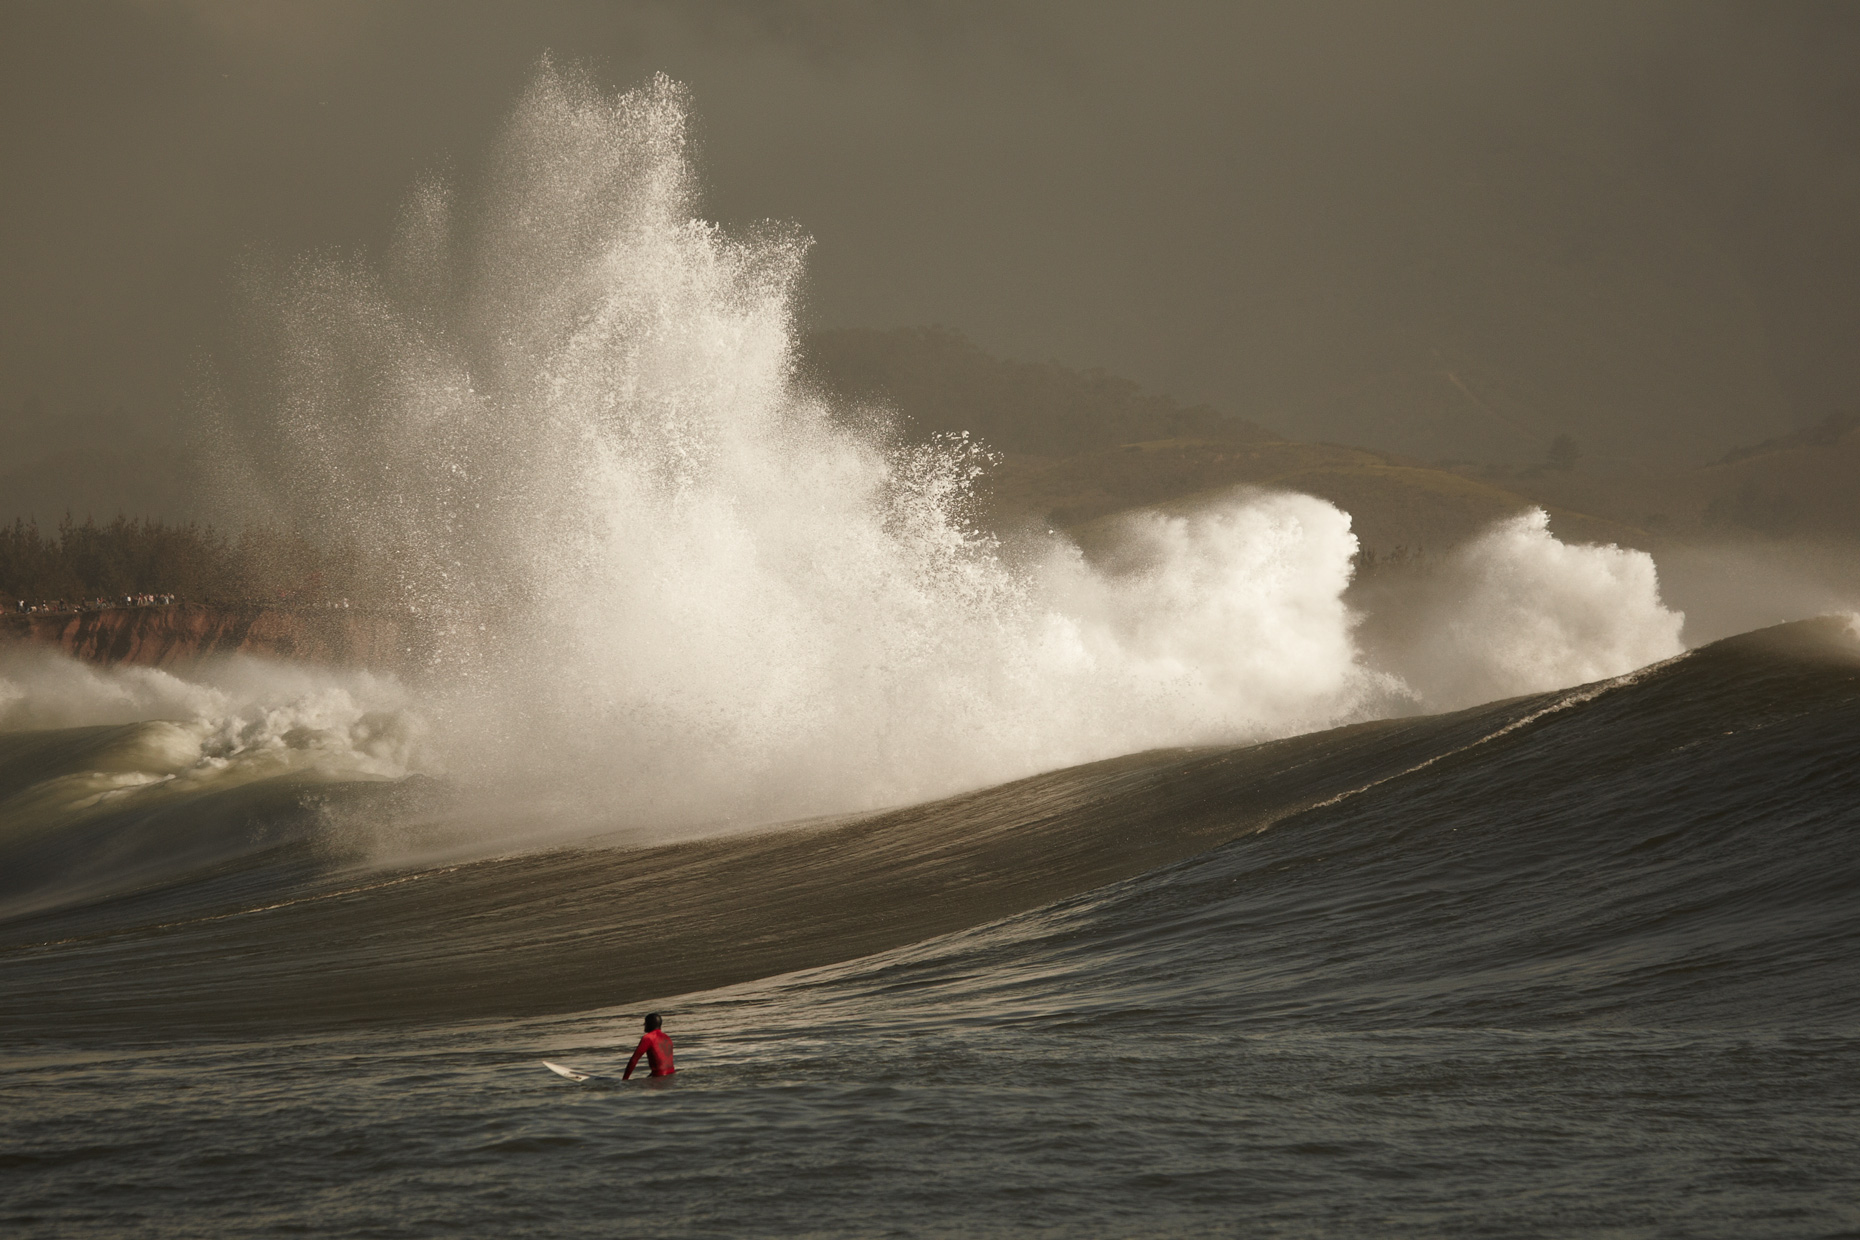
(986,884)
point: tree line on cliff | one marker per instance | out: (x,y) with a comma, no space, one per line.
(80,562)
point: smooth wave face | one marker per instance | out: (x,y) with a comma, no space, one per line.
(1579,963)
(1616,807)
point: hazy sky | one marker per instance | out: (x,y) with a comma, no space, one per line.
(1641,221)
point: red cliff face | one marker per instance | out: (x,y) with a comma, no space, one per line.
(186,632)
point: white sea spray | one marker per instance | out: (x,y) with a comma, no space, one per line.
(672,589)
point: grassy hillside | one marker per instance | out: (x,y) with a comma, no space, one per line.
(1394,504)
(1804,485)
(934,379)
(1081,445)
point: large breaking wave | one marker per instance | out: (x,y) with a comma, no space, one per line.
(675,588)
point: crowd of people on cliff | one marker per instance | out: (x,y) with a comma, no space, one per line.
(26,607)
(56,606)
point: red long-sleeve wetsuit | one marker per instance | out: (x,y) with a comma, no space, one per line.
(657,1048)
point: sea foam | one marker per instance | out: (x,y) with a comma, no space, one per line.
(676,588)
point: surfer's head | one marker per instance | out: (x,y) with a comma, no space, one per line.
(652,1021)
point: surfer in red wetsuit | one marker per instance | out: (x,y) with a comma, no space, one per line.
(656,1046)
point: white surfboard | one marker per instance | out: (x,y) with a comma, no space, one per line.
(570,1073)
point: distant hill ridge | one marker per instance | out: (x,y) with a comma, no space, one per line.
(182,634)
(935,379)
(1082,445)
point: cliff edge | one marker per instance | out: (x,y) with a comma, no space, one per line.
(183,633)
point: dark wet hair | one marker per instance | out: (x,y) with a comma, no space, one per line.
(652,1021)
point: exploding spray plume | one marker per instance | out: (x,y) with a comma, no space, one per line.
(1515,611)
(672,587)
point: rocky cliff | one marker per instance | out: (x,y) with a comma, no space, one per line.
(183,633)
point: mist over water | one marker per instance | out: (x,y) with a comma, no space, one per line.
(676,588)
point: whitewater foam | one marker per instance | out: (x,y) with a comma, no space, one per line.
(673,587)
(1517,611)
(230,721)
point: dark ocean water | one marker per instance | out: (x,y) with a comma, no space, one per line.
(1582,964)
